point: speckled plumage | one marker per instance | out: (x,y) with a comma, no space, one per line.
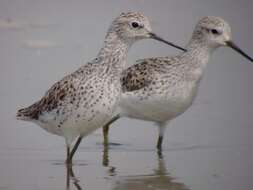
(86,99)
(159,89)
(76,102)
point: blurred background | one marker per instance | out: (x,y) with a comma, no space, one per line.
(208,147)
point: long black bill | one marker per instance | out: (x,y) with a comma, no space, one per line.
(155,37)
(236,48)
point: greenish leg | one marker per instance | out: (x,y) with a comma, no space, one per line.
(105,133)
(106,128)
(105,155)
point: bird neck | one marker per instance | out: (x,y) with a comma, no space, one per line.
(199,52)
(194,61)
(114,52)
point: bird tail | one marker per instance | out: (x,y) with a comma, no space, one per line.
(23,114)
(29,113)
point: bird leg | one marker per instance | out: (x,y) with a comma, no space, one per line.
(105,155)
(71,178)
(68,161)
(67,178)
(75,148)
(159,143)
(160,138)
(105,133)
(106,128)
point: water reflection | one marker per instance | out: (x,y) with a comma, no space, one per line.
(158,179)
(71,179)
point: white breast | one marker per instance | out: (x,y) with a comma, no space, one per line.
(158,107)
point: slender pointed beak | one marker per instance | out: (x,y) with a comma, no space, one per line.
(236,48)
(155,37)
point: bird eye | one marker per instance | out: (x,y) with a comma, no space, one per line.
(214,31)
(135,25)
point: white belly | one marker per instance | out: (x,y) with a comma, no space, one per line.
(89,116)
(157,107)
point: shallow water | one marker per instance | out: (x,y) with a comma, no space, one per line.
(127,167)
(208,147)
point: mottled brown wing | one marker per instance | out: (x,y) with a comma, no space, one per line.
(50,101)
(136,76)
(65,88)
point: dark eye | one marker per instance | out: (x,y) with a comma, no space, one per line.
(214,31)
(135,25)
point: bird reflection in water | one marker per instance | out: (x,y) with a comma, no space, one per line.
(71,179)
(159,178)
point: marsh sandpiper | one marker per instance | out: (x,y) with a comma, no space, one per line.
(159,89)
(86,99)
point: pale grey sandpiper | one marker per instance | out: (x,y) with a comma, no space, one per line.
(86,99)
(159,89)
